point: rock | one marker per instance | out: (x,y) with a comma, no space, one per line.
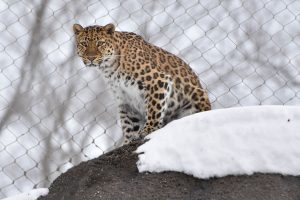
(115,176)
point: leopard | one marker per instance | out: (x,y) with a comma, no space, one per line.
(152,86)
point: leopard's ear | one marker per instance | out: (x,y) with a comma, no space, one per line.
(77,28)
(109,28)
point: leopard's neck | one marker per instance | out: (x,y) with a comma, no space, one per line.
(109,67)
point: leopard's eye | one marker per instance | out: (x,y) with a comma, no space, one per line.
(100,43)
(83,43)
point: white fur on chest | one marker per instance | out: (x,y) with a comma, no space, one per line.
(131,95)
(125,91)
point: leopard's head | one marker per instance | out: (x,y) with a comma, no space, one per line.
(95,44)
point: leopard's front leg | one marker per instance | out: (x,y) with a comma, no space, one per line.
(131,123)
(156,101)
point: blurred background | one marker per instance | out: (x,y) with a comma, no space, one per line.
(55,113)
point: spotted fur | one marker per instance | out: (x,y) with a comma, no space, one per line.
(152,86)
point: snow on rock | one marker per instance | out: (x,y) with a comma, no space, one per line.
(31,195)
(223,142)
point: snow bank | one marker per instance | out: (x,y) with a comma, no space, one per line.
(223,142)
(31,195)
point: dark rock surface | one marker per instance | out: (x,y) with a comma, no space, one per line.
(115,176)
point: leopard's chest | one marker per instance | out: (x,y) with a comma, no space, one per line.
(129,92)
(126,89)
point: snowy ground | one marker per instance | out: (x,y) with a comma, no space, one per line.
(224,142)
(31,195)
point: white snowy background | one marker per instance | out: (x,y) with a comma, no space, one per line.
(56,113)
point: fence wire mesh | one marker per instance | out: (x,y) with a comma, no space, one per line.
(56,113)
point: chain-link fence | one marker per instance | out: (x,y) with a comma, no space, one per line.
(56,113)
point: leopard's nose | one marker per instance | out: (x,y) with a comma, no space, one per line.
(91,58)
(91,54)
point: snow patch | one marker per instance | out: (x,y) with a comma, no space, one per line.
(233,141)
(31,195)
